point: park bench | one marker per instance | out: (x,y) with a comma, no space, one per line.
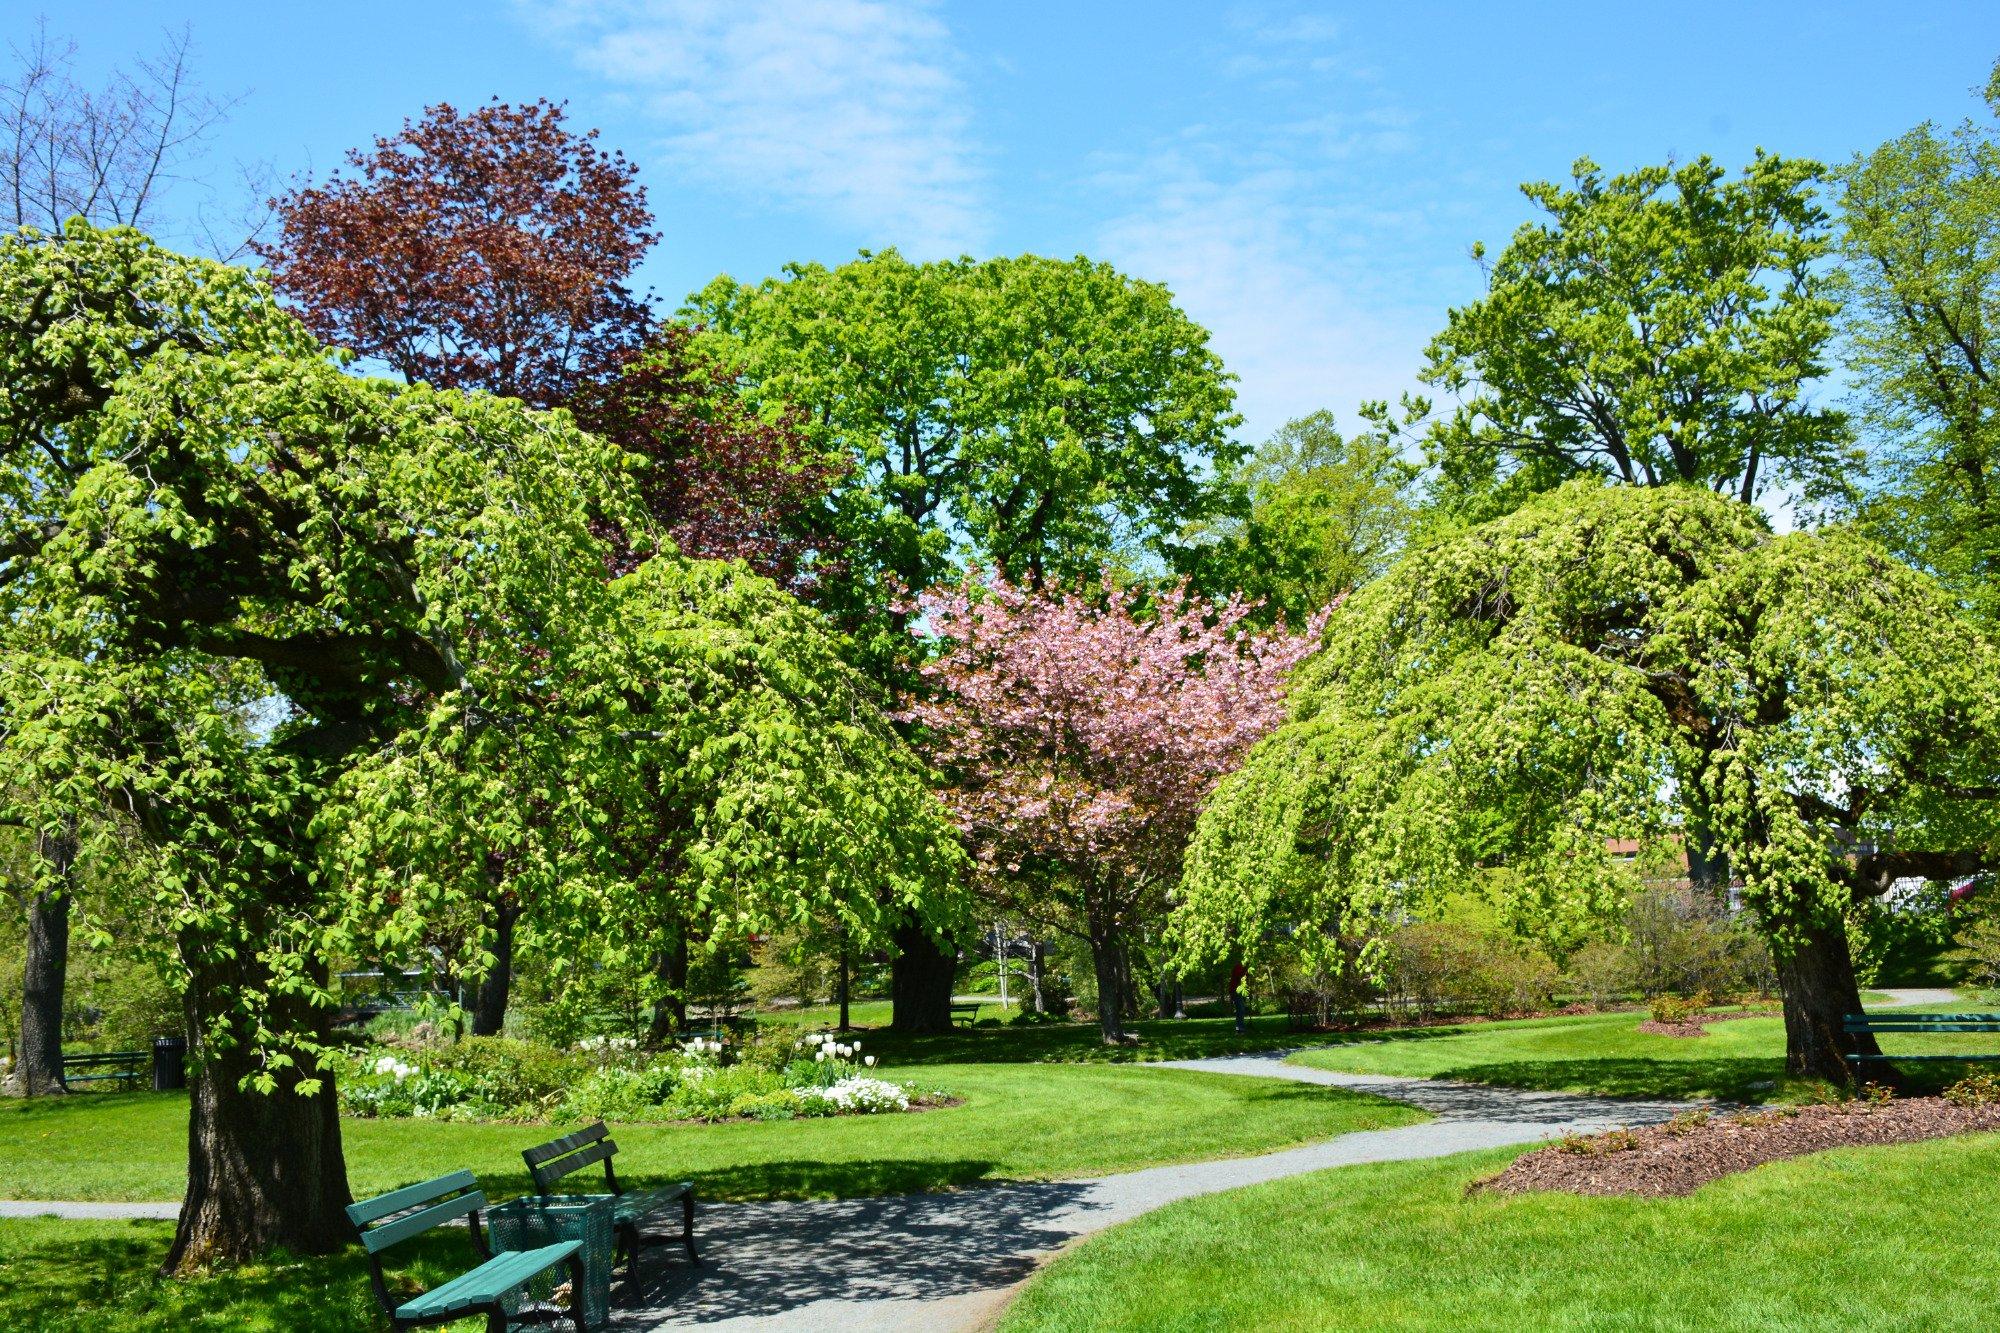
(969,1011)
(485,1290)
(125,1068)
(549,1162)
(1863,1024)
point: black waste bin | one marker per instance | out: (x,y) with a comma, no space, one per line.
(169,1063)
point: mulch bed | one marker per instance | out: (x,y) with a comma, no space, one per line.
(1697,1025)
(1680,1157)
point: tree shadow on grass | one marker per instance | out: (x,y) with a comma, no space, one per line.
(60,1275)
(799,1179)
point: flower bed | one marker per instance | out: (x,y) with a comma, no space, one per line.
(611,1078)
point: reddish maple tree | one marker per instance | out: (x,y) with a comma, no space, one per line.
(1079,738)
(480,250)
(726,483)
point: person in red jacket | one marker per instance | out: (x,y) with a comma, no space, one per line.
(1236,975)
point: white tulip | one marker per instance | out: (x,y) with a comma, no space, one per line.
(868,1060)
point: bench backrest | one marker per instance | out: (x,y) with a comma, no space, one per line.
(550,1162)
(421,1207)
(1857,1023)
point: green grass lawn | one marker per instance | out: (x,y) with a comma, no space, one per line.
(1872,1238)
(1742,1059)
(1017,1122)
(102,1275)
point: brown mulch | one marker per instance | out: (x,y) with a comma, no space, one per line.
(1697,1026)
(1680,1157)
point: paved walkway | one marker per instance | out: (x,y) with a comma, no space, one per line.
(935,1262)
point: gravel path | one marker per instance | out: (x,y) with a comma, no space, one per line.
(935,1262)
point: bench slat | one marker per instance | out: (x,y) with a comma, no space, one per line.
(488,1282)
(395,1201)
(567,1143)
(549,1172)
(1859,1028)
(1910,1016)
(381,1237)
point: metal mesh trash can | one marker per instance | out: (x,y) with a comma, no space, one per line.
(529,1222)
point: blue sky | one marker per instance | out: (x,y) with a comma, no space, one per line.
(1307,178)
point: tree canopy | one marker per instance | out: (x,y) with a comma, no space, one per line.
(1662,326)
(333,644)
(1617,661)
(1035,415)
(1920,237)
(487,249)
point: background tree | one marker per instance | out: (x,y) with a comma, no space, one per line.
(107,155)
(1662,326)
(1079,737)
(1612,661)
(725,483)
(480,250)
(1920,242)
(1325,513)
(1032,414)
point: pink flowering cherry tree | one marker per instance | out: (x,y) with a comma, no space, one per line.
(1079,734)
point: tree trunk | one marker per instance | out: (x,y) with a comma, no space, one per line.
(670,1011)
(1707,861)
(1106,962)
(264,1169)
(844,980)
(38,1066)
(920,980)
(489,1004)
(1035,960)
(1816,978)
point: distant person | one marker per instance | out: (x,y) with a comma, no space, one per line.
(1236,996)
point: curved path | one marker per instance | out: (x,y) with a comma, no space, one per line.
(935,1262)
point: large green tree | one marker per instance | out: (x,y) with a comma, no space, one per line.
(1611,661)
(1659,326)
(337,644)
(1035,416)
(1920,240)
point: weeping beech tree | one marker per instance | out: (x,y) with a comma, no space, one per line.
(1617,661)
(338,647)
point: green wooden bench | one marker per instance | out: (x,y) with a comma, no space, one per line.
(1864,1025)
(125,1068)
(549,1162)
(970,1011)
(415,1209)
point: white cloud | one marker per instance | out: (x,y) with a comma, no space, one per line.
(1248,259)
(852,109)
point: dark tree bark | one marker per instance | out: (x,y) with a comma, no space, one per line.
(489,1003)
(670,1013)
(1036,958)
(844,982)
(38,1068)
(920,980)
(1816,978)
(1708,863)
(264,1169)
(1107,964)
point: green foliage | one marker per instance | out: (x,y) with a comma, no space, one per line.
(1326,513)
(1661,325)
(347,653)
(1437,967)
(1975,951)
(1039,416)
(1974,1090)
(1679,1008)
(1602,663)
(1920,245)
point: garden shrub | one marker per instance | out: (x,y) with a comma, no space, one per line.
(512,1073)
(1679,1008)
(1439,967)
(1974,1090)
